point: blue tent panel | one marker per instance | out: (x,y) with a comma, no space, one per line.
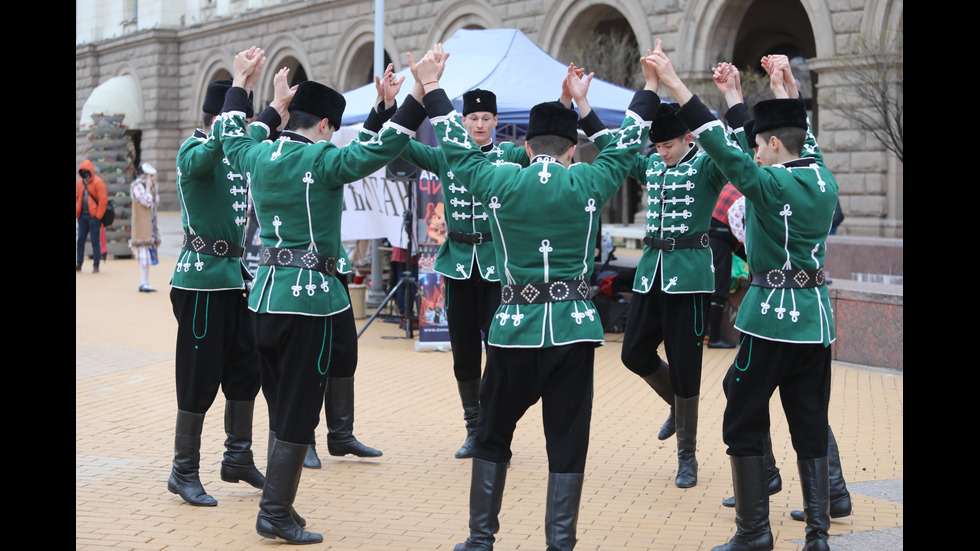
(509,64)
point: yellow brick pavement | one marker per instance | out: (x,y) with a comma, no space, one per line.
(415,496)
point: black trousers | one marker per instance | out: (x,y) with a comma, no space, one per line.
(470,306)
(723,244)
(298,353)
(215,348)
(515,378)
(801,372)
(677,321)
(344,366)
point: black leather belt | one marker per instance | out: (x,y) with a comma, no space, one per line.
(211,246)
(298,258)
(699,241)
(788,279)
(540,293)
(471,238)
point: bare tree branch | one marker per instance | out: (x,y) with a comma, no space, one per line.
(871,95)
(614,58)
(755,88)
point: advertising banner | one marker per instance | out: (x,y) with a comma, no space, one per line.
(431,232)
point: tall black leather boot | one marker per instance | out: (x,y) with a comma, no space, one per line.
(486,497)
(272,444)
(185,478)
(275,518)
(815,482)
(312,460)
(775,481)
(469,394)
(340,420)
(687,439)
(840,498)
(659,381)
(238,463)
(561,513)
(715,338)
(751,506)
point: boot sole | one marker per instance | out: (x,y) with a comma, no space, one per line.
(173,490)
(832,515)
(341,453)
(237,480)
(228,475)
(294,542)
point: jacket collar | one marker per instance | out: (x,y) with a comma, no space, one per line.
(798,163)
(290,136)
(687,158)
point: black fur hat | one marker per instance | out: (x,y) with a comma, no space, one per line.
(667,125)
(214,98)
(479,100)
(554,119)
(750,132)
(319,100)
(779,113)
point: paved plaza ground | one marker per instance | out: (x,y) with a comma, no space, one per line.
(415,497)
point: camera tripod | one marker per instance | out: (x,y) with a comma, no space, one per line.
(406,278)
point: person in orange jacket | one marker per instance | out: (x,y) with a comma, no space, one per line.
(90,204)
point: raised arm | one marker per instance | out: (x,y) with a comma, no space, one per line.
(429,69)
(282,96)
(781,80)
(566,95)
(388,86)
(248,66)
(417,90)
(578,89)
(649,71)
(668,77)
(728,82)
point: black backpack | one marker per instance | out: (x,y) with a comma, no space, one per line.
(110,210)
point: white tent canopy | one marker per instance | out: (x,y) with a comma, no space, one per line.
(510,65)
(117,95)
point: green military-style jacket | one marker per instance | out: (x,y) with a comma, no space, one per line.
(213,196)
(297,189)
(543,219)
(679,203)
(788,212)
(464,211)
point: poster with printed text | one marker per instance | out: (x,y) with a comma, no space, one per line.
(431,231)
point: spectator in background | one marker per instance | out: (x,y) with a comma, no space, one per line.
(726,237)
(145,198)
(838,218)
(90,204)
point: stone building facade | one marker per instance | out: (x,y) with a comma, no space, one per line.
(175,52)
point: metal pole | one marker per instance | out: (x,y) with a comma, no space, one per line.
(379,36)
(376,294)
